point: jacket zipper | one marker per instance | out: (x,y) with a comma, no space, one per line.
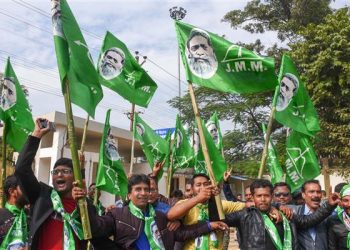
(126,225)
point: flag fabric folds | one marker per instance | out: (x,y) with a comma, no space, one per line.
(301,163)
(119,71)
(14,110)
(294,108)
(111,176)
(273,164)
(213,62)
(74,61)
(155,148)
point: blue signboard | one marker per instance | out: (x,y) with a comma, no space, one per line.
(163,131)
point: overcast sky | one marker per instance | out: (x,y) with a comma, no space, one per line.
(144,26)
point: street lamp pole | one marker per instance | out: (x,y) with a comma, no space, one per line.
(178,13)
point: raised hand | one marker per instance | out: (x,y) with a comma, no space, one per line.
(38,130)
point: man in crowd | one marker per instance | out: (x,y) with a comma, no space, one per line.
(282,193)
(13,219)
(339,223)
(188,191)
(52,208)
(91,196)
(267,233)
(195,209)
(138,225)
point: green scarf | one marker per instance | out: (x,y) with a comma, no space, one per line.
(99,208)
(202,242)
(18,233)
(151,229)
(272,230)
(70,221)
(344,218)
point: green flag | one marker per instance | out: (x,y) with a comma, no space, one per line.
(273,164)
(294,108)
(119,71)
(74,60)
(111,176)
(14,110)
(213,62)
(301,163)
(183,151)
(154,147)
(213,127)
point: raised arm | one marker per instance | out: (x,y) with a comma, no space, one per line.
(28,182)
(233,219)
(227,189)
(182,207)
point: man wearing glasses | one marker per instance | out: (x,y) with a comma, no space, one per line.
(52,223)
(282,194)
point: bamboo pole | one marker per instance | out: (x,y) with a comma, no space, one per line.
(75,159)
(83,140)
(205,150)
(132,120)
(268,134)
(170,175)
(3,168)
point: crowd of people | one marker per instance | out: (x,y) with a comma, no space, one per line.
(38,216)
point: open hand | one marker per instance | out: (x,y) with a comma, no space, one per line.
(40,132)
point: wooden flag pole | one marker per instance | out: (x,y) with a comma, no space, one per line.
(75,159)
(83,140)
(132,120)
(3,168)
(170,172)
(268,134)
(205,150)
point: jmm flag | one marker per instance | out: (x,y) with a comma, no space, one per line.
(74,61)
(301,163)
(294,108)
(213,62)
(111,176)
(273,164)
(14,110)
(155,147)
(119,71)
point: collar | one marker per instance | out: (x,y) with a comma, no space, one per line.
(307,210)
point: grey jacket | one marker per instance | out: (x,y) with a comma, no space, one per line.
(304,238)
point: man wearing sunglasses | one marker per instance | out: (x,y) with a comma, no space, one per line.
(282,194)
(52,223)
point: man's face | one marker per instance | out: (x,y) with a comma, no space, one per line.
(287,88)
(188,191)
(62,179)
(154,193)
(247,194)
(8,94)
(213,132)
(262,198)
(345,204)
(113,61)
(92,190)
(200,49)
(239,197)
(312,195)
(139,195)
(198,183)
(20,199)
(282,195)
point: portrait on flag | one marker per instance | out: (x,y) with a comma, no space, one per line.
(8,93)
(111,147)
(213,131)
(56,18)
(156,235)
(288,88)
(111,63)
(200,54)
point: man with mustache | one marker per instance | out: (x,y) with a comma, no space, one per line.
(13,218)
(111,63)
(52,219)
(339,224)
(200,54)
(267,234)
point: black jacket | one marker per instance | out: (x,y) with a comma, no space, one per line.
(337,234)
(38,193)
(126,228)
(252,230)
(6,221)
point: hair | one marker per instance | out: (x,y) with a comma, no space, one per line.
(199,175)
(339,187)
(92,184)
(10,182)
(64,162)
(260,183)
(177,194)
(293,79)
(281,184)
(198,32)
(137,179)
(119,52)
(153,178)
(309,182)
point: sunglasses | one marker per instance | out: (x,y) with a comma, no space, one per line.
(281,194)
